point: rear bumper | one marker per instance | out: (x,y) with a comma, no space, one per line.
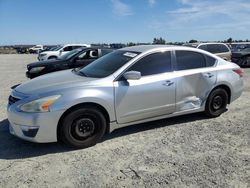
(34,127)
(237,90)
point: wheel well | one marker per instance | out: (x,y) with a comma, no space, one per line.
(227,89)
(53,56)
(89,104)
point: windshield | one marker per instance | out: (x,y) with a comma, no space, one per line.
(108,64)
(55,48)
(70,54)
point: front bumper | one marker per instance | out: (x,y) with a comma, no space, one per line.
(34,127)
(27,74)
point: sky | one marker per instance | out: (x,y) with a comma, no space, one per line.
(115,21)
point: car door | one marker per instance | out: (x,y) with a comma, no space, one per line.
(196,76)
(85,58)
(150,96)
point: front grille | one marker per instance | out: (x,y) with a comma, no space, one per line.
(12,100)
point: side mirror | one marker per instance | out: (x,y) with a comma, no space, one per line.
(132,75)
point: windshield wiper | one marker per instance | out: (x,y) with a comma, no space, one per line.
(83,74)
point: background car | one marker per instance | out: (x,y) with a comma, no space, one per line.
(57,52)
(35,49)
(79,57)
(238,46)
(49,48)
(242,58)
(128,86)
(219,49)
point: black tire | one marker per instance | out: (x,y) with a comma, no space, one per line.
(216,103)
(52,57)
(246,61)
(83,127)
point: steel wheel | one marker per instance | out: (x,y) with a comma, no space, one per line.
(83,127)
(216,103)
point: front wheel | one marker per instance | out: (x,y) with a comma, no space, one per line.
(83,127)
(216,103)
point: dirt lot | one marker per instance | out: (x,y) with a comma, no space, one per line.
(178,152)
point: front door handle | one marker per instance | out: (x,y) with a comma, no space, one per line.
(168,83)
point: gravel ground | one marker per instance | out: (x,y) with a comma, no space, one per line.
(186,151)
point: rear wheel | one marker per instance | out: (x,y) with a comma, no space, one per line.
(83,127)
(216,103)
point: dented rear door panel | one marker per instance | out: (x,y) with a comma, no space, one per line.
(193,88)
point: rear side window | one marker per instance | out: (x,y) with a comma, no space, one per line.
(153,64)
(210,61)
(189,60)
(217,48)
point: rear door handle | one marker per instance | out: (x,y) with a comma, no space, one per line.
(168,83)
(208,75)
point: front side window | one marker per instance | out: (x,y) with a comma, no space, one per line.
(69,54)
(153,64)
(68,48)
(75,47)
(189,60)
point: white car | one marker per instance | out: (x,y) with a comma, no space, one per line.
(61,50)
(36,48)
(220,49)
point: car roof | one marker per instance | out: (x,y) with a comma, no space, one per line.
(96,47)
(152,48)
(202,43)
(144,48)
(75,44)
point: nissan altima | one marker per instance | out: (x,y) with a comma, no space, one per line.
(128,86)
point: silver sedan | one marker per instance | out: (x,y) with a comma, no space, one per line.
(128,86)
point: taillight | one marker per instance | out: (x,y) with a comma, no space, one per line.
(239,72)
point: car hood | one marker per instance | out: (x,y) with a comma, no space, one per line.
(45,63)
(53,82)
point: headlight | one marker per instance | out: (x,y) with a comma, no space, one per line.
(36,69)
(40,105)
